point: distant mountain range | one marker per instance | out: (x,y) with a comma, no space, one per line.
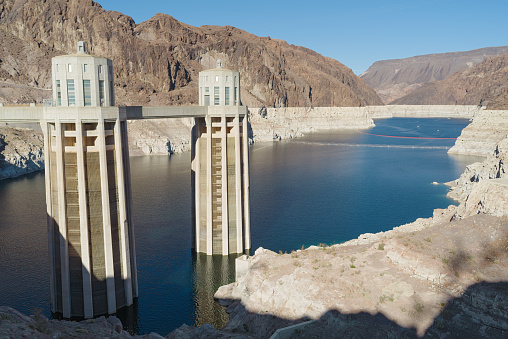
(157,61)
(393,79)
(484,84)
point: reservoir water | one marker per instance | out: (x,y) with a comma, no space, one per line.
(326,187)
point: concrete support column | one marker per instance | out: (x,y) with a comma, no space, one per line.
(128,192)
(62,223)
(246,187)
(123,222)
(196,183)
(83,220)
(49,206)
(238,186)
(224,186)
(106,219)
(209,214)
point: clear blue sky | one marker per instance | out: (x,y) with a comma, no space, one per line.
(355,32)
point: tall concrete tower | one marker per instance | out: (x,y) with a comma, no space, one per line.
(220,171)
(88,196)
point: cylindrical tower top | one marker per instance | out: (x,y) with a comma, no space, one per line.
(219,87)
(82,80)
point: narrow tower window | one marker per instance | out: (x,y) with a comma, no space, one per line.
(101,92)
(111,93)
(71,95)
(227,96)
(69,67)
(85,68)
(216,99)
(87,93)
(58,93)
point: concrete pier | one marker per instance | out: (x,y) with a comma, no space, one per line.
(90,231)
(220,167)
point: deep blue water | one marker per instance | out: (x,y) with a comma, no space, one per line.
(326,187)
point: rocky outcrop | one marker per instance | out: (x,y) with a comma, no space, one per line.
(395,78)
(480,137)
(16,325)
(157,61)
(159,136)
(485,84)
(483,187)
(424,277)
(284,123)
(21,152)
(405,276)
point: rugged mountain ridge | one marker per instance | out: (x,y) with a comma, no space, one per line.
(395,78)
(484,84)
(157,61)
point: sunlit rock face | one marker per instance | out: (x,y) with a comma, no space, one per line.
(157,61)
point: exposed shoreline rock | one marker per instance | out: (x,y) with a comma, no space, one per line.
(482,135)
(270,124)
(21,152)
(411,276)
(13,324)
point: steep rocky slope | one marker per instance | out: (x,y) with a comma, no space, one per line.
(395,78)
(484,84)
(157,61)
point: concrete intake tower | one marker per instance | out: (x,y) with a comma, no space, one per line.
(220,167)
(88,197)
(88,193)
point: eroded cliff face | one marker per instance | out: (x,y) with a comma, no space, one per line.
(483,187)
(157,61)
(482,135)
(21,152)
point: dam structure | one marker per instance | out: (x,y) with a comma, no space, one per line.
(220,171)
(87,177)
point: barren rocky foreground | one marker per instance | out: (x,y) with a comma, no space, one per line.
(445,276)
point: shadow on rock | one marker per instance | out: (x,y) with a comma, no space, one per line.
(481,312)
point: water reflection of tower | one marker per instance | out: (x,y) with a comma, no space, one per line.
(211,272)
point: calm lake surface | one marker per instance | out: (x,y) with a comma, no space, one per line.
(326,187)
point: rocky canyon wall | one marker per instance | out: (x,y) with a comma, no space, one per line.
(157,62)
